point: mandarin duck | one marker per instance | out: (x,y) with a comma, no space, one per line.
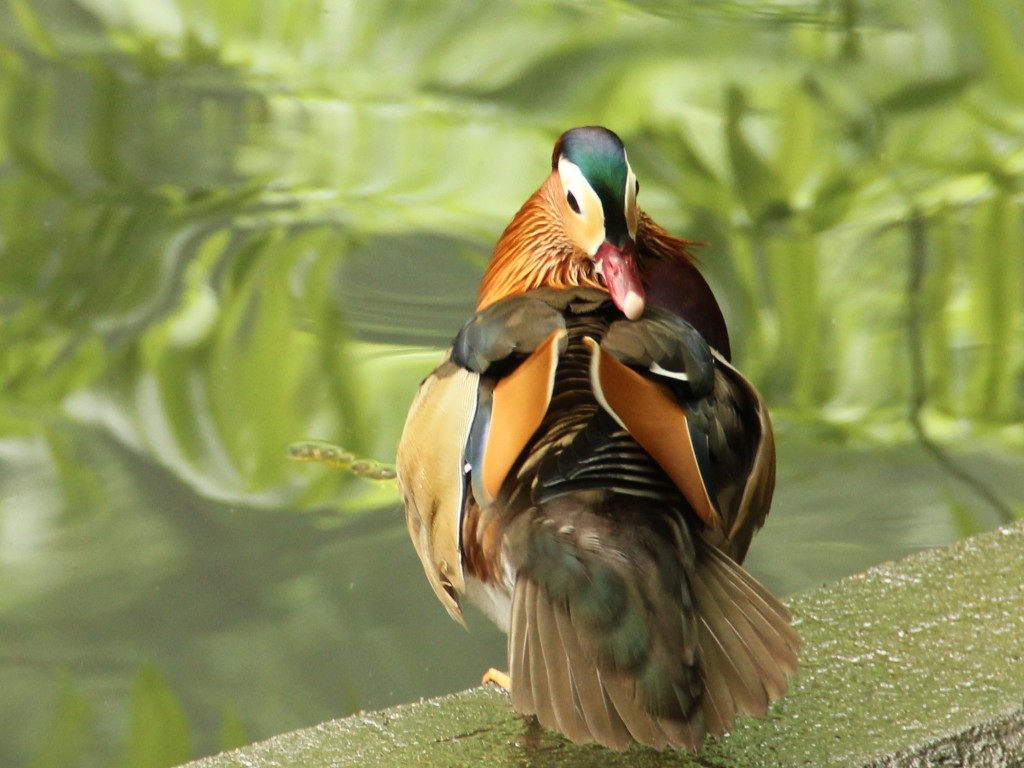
(587,467)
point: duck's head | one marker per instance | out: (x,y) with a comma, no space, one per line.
(578,229)
(599,212)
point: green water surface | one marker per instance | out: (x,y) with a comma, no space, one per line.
(227,226)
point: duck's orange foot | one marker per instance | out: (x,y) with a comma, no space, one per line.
(497,677)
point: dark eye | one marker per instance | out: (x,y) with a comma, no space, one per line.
(571,199)
(637,190)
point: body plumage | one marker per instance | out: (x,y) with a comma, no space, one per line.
(587,466)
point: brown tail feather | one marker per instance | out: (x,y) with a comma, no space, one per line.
(743,648)
(772,641)
(738,614)
(589,695)
(556,680)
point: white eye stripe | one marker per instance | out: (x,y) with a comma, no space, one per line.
(632,212)
(588,229)
(574,183)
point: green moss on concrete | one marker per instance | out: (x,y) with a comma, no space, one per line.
(919,662)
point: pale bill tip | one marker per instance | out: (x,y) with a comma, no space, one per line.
(633,306)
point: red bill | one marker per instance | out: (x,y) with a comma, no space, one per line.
(618,269)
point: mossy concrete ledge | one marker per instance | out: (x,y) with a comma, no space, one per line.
(914,663)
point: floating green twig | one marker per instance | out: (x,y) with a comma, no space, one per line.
(322,452)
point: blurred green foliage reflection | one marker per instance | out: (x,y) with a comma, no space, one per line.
(227,226)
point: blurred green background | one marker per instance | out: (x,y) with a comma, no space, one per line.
(226,226)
